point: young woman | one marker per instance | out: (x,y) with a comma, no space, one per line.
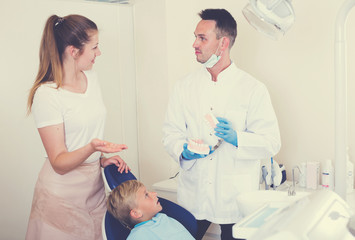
(66,102)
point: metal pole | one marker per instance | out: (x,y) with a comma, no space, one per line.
(341,99)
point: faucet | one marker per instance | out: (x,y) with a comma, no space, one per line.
(292,189)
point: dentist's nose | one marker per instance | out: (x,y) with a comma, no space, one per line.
(195,44)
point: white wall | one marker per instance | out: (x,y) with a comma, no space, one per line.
(298,71)
(21,24)
(152,85)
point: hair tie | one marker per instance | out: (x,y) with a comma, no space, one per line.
(59,21)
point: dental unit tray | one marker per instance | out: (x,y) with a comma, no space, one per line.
(250,224)
(320,215)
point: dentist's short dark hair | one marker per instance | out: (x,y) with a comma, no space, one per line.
(226,26)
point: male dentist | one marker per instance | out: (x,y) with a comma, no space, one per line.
(209,183)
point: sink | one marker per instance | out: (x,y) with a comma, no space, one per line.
(251,201)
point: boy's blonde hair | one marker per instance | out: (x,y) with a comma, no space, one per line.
(122,200)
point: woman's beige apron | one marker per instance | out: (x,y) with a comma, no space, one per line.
(69,206)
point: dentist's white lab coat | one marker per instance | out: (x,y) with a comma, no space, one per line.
(208,186)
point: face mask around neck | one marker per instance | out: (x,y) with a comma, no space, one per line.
(213,60)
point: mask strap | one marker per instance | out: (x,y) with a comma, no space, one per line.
(217,50)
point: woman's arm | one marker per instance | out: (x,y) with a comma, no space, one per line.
(62,161)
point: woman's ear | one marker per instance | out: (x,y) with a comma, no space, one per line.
(73,51)
(135,214)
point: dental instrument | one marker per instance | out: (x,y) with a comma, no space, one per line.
(273,173)
(217,145)
(264,174)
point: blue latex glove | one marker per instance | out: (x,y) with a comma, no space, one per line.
(188,155)
(225,131)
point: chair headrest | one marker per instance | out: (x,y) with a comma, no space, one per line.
(115,178)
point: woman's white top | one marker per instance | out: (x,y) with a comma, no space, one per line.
(83,114)
(208,186)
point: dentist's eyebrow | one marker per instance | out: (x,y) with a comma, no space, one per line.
(200,35)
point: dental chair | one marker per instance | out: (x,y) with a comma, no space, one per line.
(112,229)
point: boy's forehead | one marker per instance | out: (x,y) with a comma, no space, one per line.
(141,190)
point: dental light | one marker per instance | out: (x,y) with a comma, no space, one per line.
(271,17)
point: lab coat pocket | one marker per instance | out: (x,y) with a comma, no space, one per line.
(237,118)
(233,185)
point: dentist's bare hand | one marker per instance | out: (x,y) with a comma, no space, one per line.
(107,147)
(118,161)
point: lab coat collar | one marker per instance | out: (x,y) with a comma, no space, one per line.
(225,75)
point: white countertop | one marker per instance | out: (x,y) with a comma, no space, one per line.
(170,185)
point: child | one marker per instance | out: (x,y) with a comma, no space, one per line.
(139,209)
